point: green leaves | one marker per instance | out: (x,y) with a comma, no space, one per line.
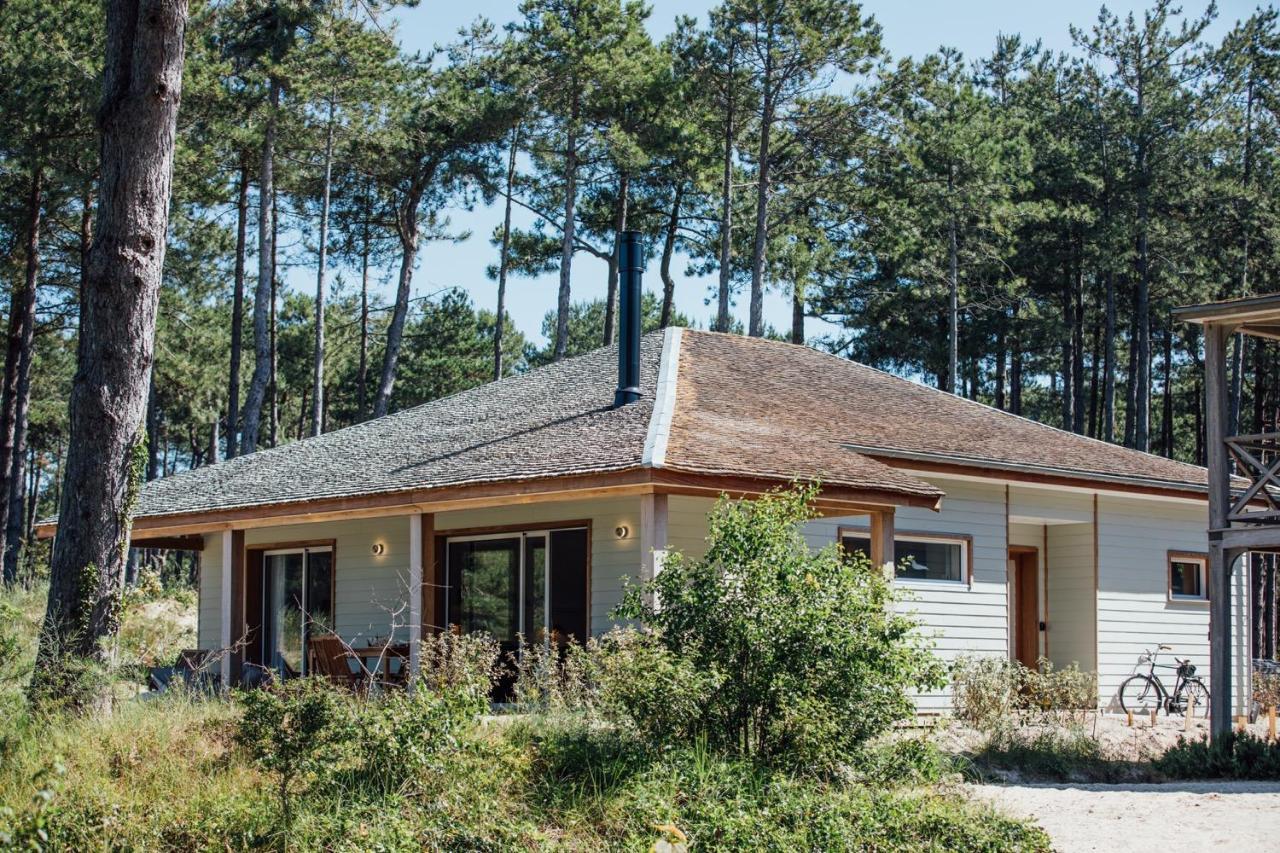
(807,654)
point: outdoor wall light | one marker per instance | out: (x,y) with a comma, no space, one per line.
(379,549)
(621,531)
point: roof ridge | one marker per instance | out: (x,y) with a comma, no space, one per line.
(953,396)
(664,401)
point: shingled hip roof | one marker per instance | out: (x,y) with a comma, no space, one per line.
(714,405)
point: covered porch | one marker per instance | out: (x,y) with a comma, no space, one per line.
(535,569)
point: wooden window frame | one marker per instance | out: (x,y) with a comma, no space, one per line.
(965,540)
(1199,557)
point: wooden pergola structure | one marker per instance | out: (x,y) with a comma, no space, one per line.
(1245,519)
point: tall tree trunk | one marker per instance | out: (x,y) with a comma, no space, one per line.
(1131,386)
(273,387)
(322,255)
(1066,344)
(1002,354)
(1109,361)
(504,256)
(1095,359)
(1015,363)
(566,242)
(152,425)
(668,249)
(1166,397)
(723,322)
(17,473)
(1142,314)
(363,370)
(257,394)
(1077,343)
(408,230)
(237,316)
(1237,343)
(953,305)
(35,470)
(797,311)
(141,90)
(761,241)
(17,368)
(619,225)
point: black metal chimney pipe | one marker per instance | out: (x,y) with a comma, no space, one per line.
(630,267)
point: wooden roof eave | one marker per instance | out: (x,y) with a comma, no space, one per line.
(178,529)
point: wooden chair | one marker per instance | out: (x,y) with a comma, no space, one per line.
(330,659)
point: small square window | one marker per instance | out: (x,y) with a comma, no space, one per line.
(1187,578)
(918,559)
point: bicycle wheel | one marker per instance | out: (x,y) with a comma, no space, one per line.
(1195,689)
(1140,695)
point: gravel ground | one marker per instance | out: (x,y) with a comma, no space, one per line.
(1181,816)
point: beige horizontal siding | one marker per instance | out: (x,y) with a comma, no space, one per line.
(970,618)
(1134,610)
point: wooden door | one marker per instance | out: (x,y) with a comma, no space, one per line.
(1026,607)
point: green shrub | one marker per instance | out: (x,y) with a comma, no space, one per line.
(1239,755)
(903,761)
(465,663)
(399,737)
(555,679)
(808,655)
(293,731)
(1065,693)
(1059,754)
(611,792)
(646,686)
(1266,690)
(984,689)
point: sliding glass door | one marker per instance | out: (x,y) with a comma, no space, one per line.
(531,584)
(297,604)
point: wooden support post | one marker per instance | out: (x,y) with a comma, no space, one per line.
(882,552)
(415,596)
(1216,417)
(1271,723)
(232,628)
(653,535)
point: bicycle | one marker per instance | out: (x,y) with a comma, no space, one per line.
(1146,694)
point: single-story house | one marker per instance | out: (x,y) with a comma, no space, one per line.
(523,505)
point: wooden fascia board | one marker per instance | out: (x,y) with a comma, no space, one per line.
(1084,481)
(834,500)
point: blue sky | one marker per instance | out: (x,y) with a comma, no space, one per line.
(910,28)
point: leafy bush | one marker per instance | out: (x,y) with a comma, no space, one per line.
(399,737)
(984,690)
(1266,689)
(1239,755)
(293,731)
(1066,692)
(646,686)
(987,691)
(465,663)
(1060,754)
(617,792)
(553,679)
(807,653)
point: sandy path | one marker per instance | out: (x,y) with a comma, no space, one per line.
(1181,816)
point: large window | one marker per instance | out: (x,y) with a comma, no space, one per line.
(919,558)
(1187,581)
